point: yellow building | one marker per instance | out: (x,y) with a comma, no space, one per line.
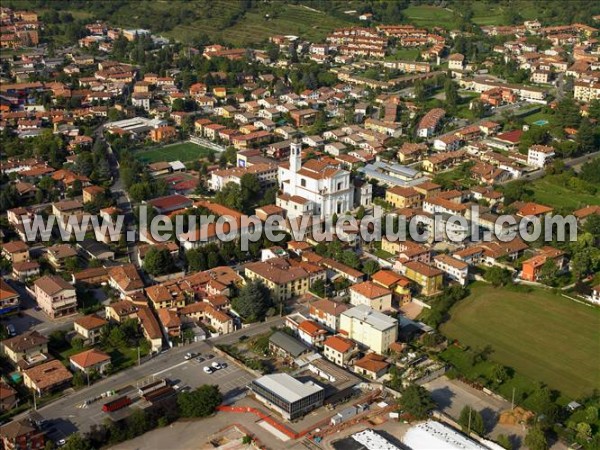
(401,197)
(429,278)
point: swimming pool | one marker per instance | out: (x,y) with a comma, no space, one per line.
(541,122)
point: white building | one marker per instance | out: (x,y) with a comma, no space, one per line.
(319,187)
(539,155)
(432,434)
(370,328)
(372,295)
(455,269)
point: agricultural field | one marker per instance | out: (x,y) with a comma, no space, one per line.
(186,151)
(222,19)
(430,16)
(552,190)
(527,329)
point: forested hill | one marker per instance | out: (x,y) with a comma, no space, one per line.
(245,22)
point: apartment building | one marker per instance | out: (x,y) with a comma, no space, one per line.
(372,329)
(429,278)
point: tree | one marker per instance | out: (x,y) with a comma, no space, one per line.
(199,403)
(370,267)
(451,92)
(584,432)
(498,276)
(549,273)
(471,420)
(253,302)
(478,108)
(536,439)
(586,137)
(158,261)
(417,401)
(77,442)
(78,379)
(77,343)
(499,373)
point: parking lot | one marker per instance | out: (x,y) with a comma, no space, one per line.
(69,414)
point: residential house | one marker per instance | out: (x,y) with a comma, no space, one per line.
(531,268)
(15,251)
(23,271)
(26,349)
(327,312)
(396,283)
(125,279)
(55,296)
(9,298)
(90,361)
(455,269)
(540,155)
(57,255)
(372,295)
(338,349)
(121,311)
(21,434)
(8,398)
(311,333)
(371,366)
(170,321)
(90,328)
(47,377)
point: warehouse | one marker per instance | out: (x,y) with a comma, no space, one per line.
(286,395)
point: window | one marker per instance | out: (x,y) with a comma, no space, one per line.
(302,182)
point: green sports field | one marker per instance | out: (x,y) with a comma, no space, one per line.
(185,151)
(541,335)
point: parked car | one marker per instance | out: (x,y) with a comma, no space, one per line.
(10,328)
(216,365)
(200,359)
(189,356)
(208,369)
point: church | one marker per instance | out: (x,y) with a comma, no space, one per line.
(318,187)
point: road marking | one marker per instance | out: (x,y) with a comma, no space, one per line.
(169,368)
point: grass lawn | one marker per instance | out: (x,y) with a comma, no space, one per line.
(404,54)
(541,335)
(538,116)
(551,190)
(186,151)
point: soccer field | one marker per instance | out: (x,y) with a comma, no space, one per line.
(185,151)
(541,335)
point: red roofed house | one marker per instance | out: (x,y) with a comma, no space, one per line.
(371,294)
(311,332)
(533,209)
(399,285)
(89,361)
(371,366)
(531,268)
(338,349)
(327,312)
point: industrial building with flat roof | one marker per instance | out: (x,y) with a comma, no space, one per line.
(432,434)
(288,396)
